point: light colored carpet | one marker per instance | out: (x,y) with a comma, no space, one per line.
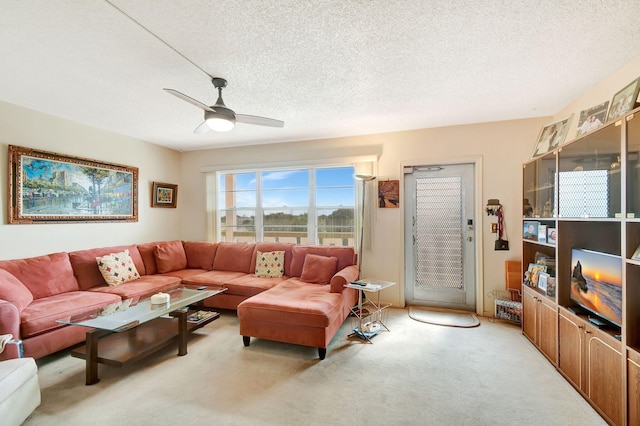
(416,374)
(444,317)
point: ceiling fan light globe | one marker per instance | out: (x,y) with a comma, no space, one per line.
(220,124)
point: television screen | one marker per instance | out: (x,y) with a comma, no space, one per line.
(596,283)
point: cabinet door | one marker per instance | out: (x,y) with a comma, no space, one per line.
(604,374)
(570,350)
(633,379)
(548,331)
(529,308)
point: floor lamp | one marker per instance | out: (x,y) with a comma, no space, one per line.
(364,179)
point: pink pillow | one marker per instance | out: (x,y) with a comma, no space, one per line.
(170,256)
(318,269)
(200,254)
(12,290)
(234,257)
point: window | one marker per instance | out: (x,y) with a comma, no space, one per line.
(302,206)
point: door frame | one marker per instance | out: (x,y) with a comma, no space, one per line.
(477,220)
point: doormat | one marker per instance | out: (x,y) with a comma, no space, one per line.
(444,317)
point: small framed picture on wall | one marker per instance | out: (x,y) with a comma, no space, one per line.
(164,195)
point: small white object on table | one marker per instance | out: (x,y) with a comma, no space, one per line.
(160,298)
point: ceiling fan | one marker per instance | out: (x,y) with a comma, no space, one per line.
(220,118)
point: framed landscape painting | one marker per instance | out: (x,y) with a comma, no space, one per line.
(47,187)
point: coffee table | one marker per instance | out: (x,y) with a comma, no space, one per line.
(123,333)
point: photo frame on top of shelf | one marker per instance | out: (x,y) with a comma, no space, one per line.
(592,118)
(552,235)
(47,187)
(164,195)
(552,136)
(624,101)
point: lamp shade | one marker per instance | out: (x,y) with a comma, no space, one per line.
(220,120)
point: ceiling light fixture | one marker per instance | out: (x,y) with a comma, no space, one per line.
(219,122)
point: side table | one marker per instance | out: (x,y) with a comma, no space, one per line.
(370,315)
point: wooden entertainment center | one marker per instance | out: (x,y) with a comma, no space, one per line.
(588,192)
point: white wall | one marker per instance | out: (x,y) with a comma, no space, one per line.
(23,127)
(502,146)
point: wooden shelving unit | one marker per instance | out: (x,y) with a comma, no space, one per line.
(603,364)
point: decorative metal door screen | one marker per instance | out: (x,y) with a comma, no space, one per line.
(439,233)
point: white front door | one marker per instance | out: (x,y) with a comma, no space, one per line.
(440,236)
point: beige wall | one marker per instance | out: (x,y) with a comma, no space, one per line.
(501,146)
(23,127)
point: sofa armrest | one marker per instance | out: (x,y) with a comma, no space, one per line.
(342,277)
(9,324)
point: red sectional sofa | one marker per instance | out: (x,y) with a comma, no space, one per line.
(305,306)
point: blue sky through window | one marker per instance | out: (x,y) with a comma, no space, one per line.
(289,188)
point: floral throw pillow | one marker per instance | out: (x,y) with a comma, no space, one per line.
(270,264)
(117,268)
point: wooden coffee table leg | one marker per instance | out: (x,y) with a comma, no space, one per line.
(92,355)
(182,332)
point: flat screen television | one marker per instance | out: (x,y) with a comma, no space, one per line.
(596,284)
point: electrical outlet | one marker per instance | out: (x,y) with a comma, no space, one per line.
(494,228)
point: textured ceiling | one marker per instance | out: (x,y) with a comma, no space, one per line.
(327,68)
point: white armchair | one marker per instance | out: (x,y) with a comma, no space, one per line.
(19,387)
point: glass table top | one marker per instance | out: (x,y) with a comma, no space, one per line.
(128,313)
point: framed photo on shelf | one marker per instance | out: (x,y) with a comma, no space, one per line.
(543,278)
(530,230)
(551,286)
(164,195)
(531,276)
(552,235)
(592,118)
(552,136)
(624,101)
(542,233)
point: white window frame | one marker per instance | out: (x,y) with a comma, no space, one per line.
(211,186)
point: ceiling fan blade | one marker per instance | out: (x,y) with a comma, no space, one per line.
(260,121)
(189,99)
(203,128)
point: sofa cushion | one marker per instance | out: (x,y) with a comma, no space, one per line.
(12,290)
(345,255)
(234,257)
(318,269)
(213,278)
(293,302)
(170,256)
(41,315)
(249,285)
(86,269)
(117,268)
(269,264)
(200,254)
(148,258)
(141,288)
(288,254)
(44,275)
